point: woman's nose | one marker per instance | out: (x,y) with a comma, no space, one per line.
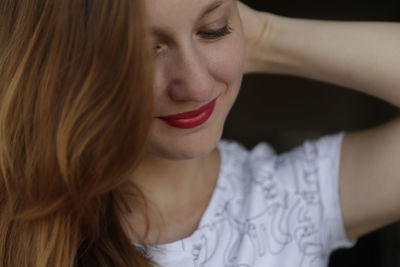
(191,77)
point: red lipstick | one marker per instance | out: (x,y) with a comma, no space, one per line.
(191,118)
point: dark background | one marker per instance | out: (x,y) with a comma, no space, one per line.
(285,111)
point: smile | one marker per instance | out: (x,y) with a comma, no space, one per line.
(191,118)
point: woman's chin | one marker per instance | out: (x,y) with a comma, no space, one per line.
(184,149)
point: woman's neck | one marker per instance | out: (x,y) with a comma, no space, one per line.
(178,192)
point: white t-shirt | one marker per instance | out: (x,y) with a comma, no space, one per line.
(267,210)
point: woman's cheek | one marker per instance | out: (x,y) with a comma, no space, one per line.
(227,60)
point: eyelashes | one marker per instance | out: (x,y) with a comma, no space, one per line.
(226,30)
(207,35)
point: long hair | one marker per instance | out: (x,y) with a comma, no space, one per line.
(75,113)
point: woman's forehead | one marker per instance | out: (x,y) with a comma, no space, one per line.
(159,11)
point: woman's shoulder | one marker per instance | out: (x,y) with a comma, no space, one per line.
(297,189)
(310,167)
(236,155)
(323,145)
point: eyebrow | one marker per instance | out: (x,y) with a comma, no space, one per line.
(210,8)
(207,10)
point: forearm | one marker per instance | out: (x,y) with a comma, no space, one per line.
(361,55)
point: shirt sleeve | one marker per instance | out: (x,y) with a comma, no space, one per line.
(329,149)
(317,163)
(304,184)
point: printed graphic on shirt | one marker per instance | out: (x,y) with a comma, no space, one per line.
(266,209)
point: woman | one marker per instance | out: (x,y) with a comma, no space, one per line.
(205,204)
(256,208)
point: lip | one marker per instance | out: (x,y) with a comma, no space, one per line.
(191,119)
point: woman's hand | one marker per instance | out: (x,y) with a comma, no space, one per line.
(256,27)
(364,56)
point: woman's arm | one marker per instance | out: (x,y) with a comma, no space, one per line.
(364,56)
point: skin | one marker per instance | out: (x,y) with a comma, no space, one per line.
(181,167)
(191,70)
(192,67)
(363,56)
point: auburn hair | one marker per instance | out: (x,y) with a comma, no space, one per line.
(75,114)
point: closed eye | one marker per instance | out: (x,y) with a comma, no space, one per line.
(216,34)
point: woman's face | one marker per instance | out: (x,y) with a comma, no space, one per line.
(198,72)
